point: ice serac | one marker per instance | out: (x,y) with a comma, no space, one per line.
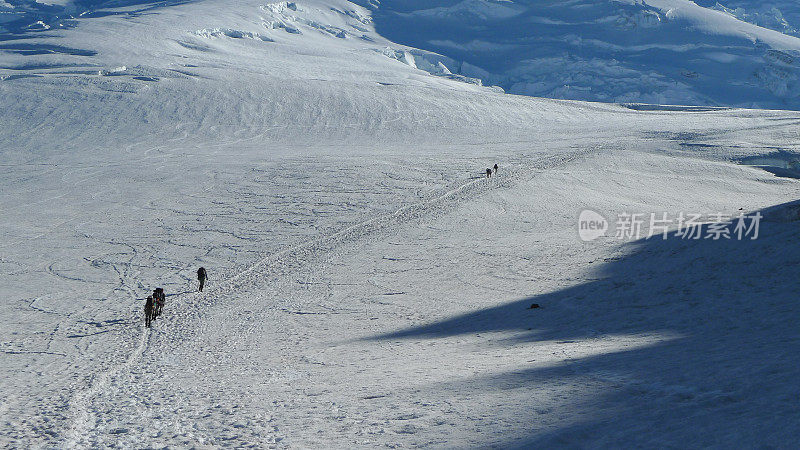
(651,51)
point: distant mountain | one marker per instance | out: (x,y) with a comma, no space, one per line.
(740,53)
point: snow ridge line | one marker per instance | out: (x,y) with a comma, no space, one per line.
(80,403)
(285,260)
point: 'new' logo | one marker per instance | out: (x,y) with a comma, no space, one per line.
(591,225)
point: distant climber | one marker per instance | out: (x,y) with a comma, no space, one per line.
(154,296)
(148,311)
(202,277)
(495,169)
(488,173)
(159,298)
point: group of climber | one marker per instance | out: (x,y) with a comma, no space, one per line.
(153,306)
(489,171)
(155,302)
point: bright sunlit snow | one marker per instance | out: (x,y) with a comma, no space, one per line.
(369,286)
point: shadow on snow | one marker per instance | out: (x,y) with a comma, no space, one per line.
(731,377)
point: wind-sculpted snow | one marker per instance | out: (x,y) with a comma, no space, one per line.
(234,34)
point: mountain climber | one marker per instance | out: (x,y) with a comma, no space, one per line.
(148,311)
(201,277)
(159,299)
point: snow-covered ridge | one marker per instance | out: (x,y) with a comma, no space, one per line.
(653,51)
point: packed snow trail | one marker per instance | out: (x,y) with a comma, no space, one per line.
(80,404)
(436,203)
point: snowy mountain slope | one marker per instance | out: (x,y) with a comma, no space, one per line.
(420,335)
(143,140)
(654,51)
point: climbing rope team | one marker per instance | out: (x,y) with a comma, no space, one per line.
(154,304)
(489,171)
